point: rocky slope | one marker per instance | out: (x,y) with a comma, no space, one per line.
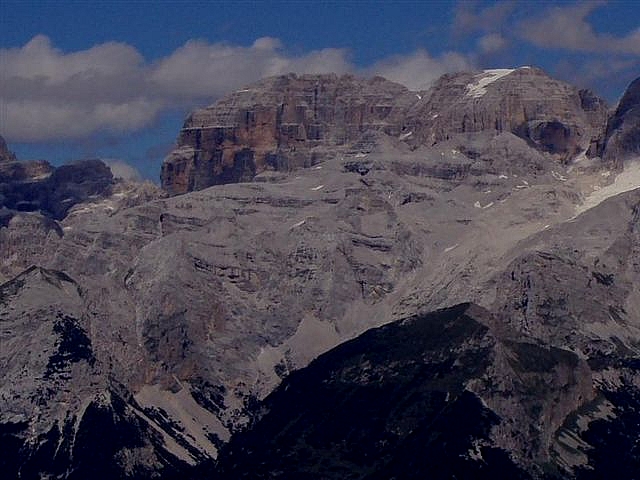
(191,309)
(433,396)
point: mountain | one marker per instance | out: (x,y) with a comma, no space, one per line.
(299,214)
(5,154)
(285,123)
(36,186)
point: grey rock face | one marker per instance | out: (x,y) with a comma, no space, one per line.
(36,186)
(5,154)
(552,116)
(281,123)
(622,139)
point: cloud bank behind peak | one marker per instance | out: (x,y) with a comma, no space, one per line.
(47,94)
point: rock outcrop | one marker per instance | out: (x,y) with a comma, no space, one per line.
(289,122)
(36,186)
(63,416)
(622,139)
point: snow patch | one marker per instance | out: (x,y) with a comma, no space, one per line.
(448,249)
(181,408)
(301,222)
(628,179)
(479,205)
(405,135)
(478,88)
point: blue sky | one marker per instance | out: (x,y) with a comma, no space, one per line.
(115,79)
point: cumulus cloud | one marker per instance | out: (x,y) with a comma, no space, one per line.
(47,94)
(39,59)
(491,43)
(470,18)
(122,169)
(201,69)
(50,119)
(419,69)
(567,27)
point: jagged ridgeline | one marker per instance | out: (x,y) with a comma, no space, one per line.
(340,278)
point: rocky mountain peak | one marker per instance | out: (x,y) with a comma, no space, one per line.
(157,328)
(289,122)
(554,117)
(37,186)
(622,138)
(5,154)
(280,123)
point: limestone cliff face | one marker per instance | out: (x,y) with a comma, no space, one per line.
(622,139)
(289,122)
(282,123)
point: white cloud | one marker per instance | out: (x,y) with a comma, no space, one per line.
(567,28)
(419,69)
(202,69)
(491,43)
(47,94)
(123,170)
(38,59)
(33,121)
(470,18)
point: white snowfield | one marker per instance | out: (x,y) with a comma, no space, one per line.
(482,80)
(628,179)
